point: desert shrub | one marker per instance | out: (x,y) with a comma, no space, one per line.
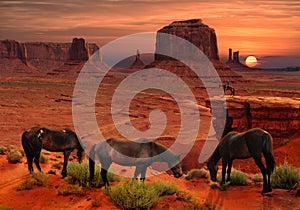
(257,178)
(193,204)
(43,158)
(14,156)
(4,207)
(164,188)
(197,173)
(224,186)
(3,150)
(95,203)
(71,190)
(138,195)
(133,196)
(197,205)
(237,177)
(35,179)
(285,176)
(79,174)
(58,165)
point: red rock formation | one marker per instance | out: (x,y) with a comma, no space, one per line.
(195,32)
(278,115)
(12,49)
(79,50)
(201,36)
(138,63)
(46,55)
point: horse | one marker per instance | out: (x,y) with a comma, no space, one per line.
(38,138)
(141,154)
(234,145)
(230,88)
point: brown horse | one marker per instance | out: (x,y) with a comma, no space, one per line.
(141,153)
(230,88)
(38,138)
(252,143)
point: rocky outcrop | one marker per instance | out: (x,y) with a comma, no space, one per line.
(278,115)
(46,55)
(11,49)
(195,32)
(202,36)
(138,63)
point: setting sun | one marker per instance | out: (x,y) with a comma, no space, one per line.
(251,61)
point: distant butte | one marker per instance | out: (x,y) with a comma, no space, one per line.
(46,55)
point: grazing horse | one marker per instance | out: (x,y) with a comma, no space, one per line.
(230,88)
(252,143)
(141,153)
(38,138)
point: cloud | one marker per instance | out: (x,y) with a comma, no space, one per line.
(108,19)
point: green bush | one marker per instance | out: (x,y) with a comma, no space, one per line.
(71,190)
(257,178)
(164,188)
(14,156)
(138,195)
(3,150)
(58,165)
(285,176)
(193,204)
(197,173)
(237,177)
(3,207)
(79,174)
(196,205)
(35,179)
(43,158)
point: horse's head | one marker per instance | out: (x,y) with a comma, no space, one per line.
(177,171)
(213,169)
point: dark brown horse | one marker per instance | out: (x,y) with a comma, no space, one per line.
(141,153)
(38,138)
(230,88)
(252,143)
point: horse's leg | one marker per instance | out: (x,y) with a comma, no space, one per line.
(37,160)
(143,170)
(66,158)
(224,165)
(29,162)
(104,177)
(229,171)
(137,172)
(269,183)
(105,164)
(263,170)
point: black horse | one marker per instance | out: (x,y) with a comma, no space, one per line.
(141,153)
(38,138)
(252,143)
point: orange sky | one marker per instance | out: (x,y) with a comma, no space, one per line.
(252,27)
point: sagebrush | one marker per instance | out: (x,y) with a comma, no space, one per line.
(138,195)
(285,176)
(79,174)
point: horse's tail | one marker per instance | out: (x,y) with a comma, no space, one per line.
(25,143)
(24,138)
(268,154)
(92,162)
(80,150)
